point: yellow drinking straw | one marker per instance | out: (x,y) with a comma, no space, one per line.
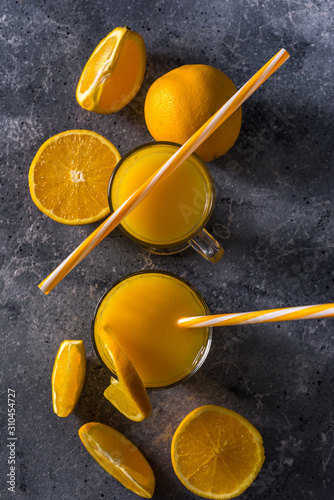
(178,157)
(265,316)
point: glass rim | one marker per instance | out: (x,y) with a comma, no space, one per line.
(181,242)
(207,346)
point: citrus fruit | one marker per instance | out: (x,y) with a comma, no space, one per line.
(119,457)
(216,453)
(114,72)
(128,393)
(69,176)
(68,376)
(178,103)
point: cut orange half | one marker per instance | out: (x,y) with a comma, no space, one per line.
(128,393)
(216,453)
(69,176)
(68,376)
(114,72)
(119,457)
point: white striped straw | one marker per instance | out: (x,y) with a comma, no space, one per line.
(178,157)
(265,316)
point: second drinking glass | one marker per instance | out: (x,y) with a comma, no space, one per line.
(141,310)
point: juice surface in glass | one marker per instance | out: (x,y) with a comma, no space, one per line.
(142,311)
(174,210)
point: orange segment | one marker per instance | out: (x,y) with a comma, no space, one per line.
(128,393)
(119,457)
(68,376)
(216,453)
(69,176)
(114,72)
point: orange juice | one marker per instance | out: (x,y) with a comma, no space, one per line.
(175,210)
(142,310)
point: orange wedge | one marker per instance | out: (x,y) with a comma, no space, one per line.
(68,376)
(128,393)
(114,72)
(216,453)
(69,176)
(119,457)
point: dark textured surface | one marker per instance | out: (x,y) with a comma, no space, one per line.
(273,215)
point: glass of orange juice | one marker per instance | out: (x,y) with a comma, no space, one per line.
(173,215)
(142,310)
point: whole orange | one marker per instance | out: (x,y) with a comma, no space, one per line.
(179,102)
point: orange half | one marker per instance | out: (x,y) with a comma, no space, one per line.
(69,176)
(216,453)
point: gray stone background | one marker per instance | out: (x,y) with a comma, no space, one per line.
(273,215)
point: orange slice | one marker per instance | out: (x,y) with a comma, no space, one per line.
(119,457)
(128,393)
(216,453)
(113,73)
(69,176)
(68,376)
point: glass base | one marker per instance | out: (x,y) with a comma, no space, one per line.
(168,251)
